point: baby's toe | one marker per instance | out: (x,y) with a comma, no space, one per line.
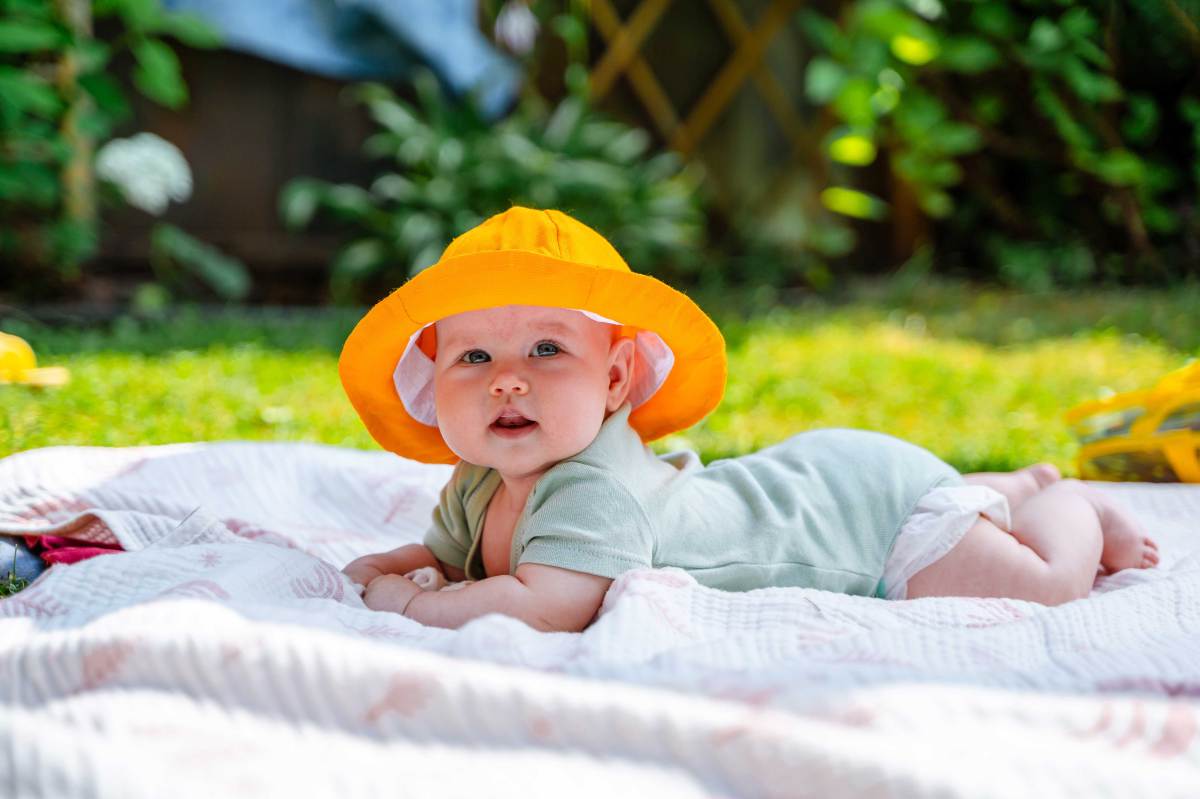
(1045,474)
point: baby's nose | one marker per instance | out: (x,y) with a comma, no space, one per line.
(509,382)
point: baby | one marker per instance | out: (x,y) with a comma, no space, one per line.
(507,358)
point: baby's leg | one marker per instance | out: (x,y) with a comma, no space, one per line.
(1051,555)
(1020,485)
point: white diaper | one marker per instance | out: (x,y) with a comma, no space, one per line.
(938,522)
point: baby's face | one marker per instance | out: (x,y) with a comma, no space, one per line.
(552,366)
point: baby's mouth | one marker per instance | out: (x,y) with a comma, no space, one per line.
(512,423)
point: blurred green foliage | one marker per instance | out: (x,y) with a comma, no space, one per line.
(59,98)
(450,169)
(980,378)
(1050,142)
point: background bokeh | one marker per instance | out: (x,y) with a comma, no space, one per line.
(949,220)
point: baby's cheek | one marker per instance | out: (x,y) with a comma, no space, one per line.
(455,441)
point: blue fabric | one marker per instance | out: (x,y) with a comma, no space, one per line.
(29,565)
(368,39)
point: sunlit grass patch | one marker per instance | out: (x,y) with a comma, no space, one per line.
(246,392)
(981,378)
(976,405)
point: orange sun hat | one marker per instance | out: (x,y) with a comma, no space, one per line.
(525,256)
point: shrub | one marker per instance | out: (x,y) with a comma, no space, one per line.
(450,169)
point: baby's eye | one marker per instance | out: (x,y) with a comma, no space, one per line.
(467,356)
(538,348)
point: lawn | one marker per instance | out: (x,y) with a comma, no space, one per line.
(980,377)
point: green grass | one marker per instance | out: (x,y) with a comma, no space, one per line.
(980,377)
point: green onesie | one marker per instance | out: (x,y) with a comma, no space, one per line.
(818,510)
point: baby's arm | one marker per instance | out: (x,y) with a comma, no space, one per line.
(546,598)
(401,560)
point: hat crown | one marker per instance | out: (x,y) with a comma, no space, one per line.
(546,232)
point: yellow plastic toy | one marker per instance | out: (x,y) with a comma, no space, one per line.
(1151,436)
(19,365)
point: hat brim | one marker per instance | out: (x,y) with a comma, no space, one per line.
(694,387)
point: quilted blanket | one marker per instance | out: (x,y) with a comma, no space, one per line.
(222,653)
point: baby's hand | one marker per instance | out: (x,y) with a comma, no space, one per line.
(390,592)
(427,578)
(363,570)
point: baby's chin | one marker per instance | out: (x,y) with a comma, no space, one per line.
(520,461)
(522,467)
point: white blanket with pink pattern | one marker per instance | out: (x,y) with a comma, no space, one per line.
(228,656)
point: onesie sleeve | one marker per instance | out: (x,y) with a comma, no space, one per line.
(449,534)
(587,521)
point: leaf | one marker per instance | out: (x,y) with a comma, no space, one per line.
(22,91)
(591,177)
(936,203)
(572,30)
(37,9)
(157,74)
(956,138)
(107,93)
(93,55)
(418,230)
(853,203)
(823,79)
(1049,103)
(396,188)
(1088,85)
(34,184)
(1045,36)
(426,256)
(914,49)
(996,19)
(348,201)
(661,167)
(969,54)
(139,15)
(105,8)
(628,147)
(298,202)
(359,259)
(394,115)
(227,276)
(943,173)
(1078,23)
(919,114)
(1119,168)
(885,21)
(853,149)
(29,37)
(450,155)
(190,29)
(564,122)
(821,31)
(853,103)
(577,80)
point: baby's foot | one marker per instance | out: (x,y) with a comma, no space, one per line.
(1024,483)
(1124,545)
(1042,474)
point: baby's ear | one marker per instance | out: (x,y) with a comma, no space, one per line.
(620,374)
